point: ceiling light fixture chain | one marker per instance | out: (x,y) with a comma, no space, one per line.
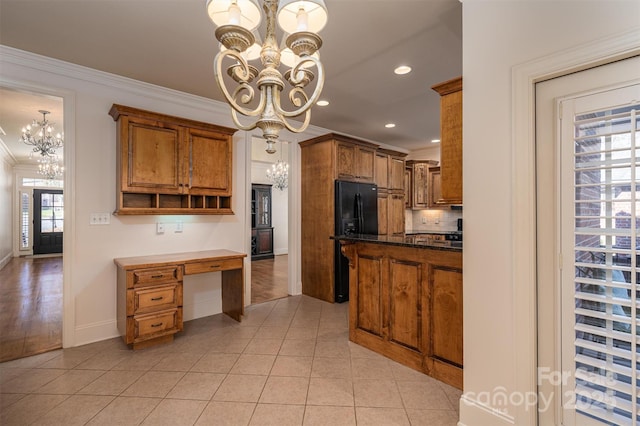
(39,134)
(236,21)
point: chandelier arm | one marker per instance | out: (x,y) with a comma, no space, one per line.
(291,128)
(244,75)
(296,90)
(234,116)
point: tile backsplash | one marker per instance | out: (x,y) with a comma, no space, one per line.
(432,220)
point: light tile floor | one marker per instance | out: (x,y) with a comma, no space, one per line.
(289,362)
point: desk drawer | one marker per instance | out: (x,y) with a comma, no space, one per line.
(212,266)
(156,325)
(152,299)
(153,276)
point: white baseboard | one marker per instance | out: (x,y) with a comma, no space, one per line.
(475,413)
(5,260)
(278,252)
(96,332)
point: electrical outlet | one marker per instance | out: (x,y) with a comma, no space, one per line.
(179,226)
(159,228)
(424,219)
(99,219)
(436,220)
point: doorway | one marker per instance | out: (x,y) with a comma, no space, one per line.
(587,177)
(269,222)
(33,280)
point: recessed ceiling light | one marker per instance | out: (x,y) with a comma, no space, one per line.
(322,103)
(402,69)
(435,140)
(390,125)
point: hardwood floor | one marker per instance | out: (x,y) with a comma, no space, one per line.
(269,279)
(30,307)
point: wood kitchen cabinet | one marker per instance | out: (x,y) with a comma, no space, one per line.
(323,160)
(420,182)
(355,161)
(450,140)
(435,188)
(406,304)
(389,174)
(171,165)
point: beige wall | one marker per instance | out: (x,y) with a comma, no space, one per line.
(499,35)
(6,203)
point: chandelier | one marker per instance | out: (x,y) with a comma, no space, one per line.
(279,175)
(49,167)
(236,20)
(39,134)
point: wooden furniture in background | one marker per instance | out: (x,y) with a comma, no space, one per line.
(451,140)
(406,303)
(435,188)
(323,160)
(171,165)
(150,288)
(389,177)
(420,182)
(261,229)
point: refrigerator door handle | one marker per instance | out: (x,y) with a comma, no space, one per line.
(359,213)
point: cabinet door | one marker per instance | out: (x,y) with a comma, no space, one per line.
(346,161)
(396,214)
(261,203)
(396,173)
(383,213)
(209,158)
(435,193)
(446,315)
(407,303)
(382,170)
(151,157)
(408,179)
(365,164)
(420,186)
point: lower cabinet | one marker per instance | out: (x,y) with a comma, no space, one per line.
(261,243)
(149,305)
(406,304)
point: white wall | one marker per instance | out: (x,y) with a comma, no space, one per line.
(6,203)
(90,274)
(499,35)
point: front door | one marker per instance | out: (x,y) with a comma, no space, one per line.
(48,221)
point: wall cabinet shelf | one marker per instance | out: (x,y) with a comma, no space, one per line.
(171,165)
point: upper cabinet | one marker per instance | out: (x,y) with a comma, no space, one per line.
(355,161)
(420,182)
(389,177)
(171,165)
(450,140)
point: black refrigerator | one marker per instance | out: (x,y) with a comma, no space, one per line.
(356,213)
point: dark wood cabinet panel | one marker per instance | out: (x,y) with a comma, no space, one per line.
(261,232)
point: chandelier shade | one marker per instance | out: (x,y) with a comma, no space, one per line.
(257,97)
(302,15)
(39,135)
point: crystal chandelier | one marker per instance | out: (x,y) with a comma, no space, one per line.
(236,20)
(49,167)
(279,175)
(39,134)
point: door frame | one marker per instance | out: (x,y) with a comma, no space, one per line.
(523,187)
(68,245)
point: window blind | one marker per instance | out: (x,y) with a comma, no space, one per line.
(606,294)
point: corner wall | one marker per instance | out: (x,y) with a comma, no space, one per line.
(6,203)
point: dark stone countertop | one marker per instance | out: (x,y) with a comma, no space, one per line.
(423,232)
(406,241)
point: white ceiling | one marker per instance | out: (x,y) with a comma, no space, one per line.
(170,43)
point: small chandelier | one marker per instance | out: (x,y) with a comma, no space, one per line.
(49,167)
(279,175)
(236,20)
(39,134)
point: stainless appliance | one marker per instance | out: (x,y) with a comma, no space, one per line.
(356,213)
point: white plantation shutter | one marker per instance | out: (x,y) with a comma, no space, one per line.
(600,170)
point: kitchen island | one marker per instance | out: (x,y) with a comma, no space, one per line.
(405,301)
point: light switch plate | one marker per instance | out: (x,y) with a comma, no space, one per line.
(179,226)
(159,228)
(99,219)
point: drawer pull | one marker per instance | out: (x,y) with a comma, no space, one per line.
(214,266)
(154,299)
(157,276)
(156,325)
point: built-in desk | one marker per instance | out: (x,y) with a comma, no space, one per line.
(150,292)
